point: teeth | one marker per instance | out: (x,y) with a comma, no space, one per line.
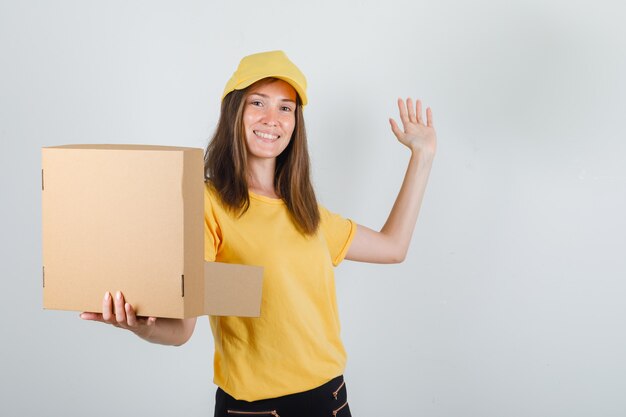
(266,135)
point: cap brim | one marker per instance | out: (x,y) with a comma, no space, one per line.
(249,81)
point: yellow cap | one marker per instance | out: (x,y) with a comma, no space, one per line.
(255,67)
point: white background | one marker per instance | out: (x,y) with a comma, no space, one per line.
(511,300)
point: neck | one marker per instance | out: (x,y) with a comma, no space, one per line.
(261,176)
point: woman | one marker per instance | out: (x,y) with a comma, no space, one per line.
(260,209)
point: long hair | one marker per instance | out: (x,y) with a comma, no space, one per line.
(225,164)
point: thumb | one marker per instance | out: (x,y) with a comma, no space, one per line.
(394,128)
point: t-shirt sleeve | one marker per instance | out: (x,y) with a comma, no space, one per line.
(338,232)
(212,234)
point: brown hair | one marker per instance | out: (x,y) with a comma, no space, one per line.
(225,164)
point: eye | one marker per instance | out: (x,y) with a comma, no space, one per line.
(286,108)
(256,103)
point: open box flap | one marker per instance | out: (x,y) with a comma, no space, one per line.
(232,290)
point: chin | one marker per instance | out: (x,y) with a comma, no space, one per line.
(265,153)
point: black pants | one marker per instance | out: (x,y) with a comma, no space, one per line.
(328,400)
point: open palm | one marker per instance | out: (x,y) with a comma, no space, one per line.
(415,134)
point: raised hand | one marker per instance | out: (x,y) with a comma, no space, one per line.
(414,134)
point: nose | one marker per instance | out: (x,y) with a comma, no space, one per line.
(270,116)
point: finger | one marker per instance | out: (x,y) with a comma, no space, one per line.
(429,117)
(120,314)
(107,315)
(91,316)
(404,118)
(394,128)
(409,106)
(131,318)
(418,106)
(150,322)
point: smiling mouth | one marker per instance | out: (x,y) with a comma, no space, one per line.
(266,136)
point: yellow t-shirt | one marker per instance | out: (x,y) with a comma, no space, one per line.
(295,345)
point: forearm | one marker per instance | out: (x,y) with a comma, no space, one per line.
(391,243)
(174,332)
(398,228)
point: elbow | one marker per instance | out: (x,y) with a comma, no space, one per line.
(398,256)
(184,337)
(393,253)
(394,250)
(398,259)
(180,343)
(187,327)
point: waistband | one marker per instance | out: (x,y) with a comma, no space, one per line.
(328,387)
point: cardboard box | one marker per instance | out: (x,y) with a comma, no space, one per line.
(130,218)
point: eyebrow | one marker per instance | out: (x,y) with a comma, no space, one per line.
(266,96)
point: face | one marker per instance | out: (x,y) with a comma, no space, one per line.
(269,117)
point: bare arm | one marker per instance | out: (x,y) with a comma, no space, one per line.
(391,243)
(117,312)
